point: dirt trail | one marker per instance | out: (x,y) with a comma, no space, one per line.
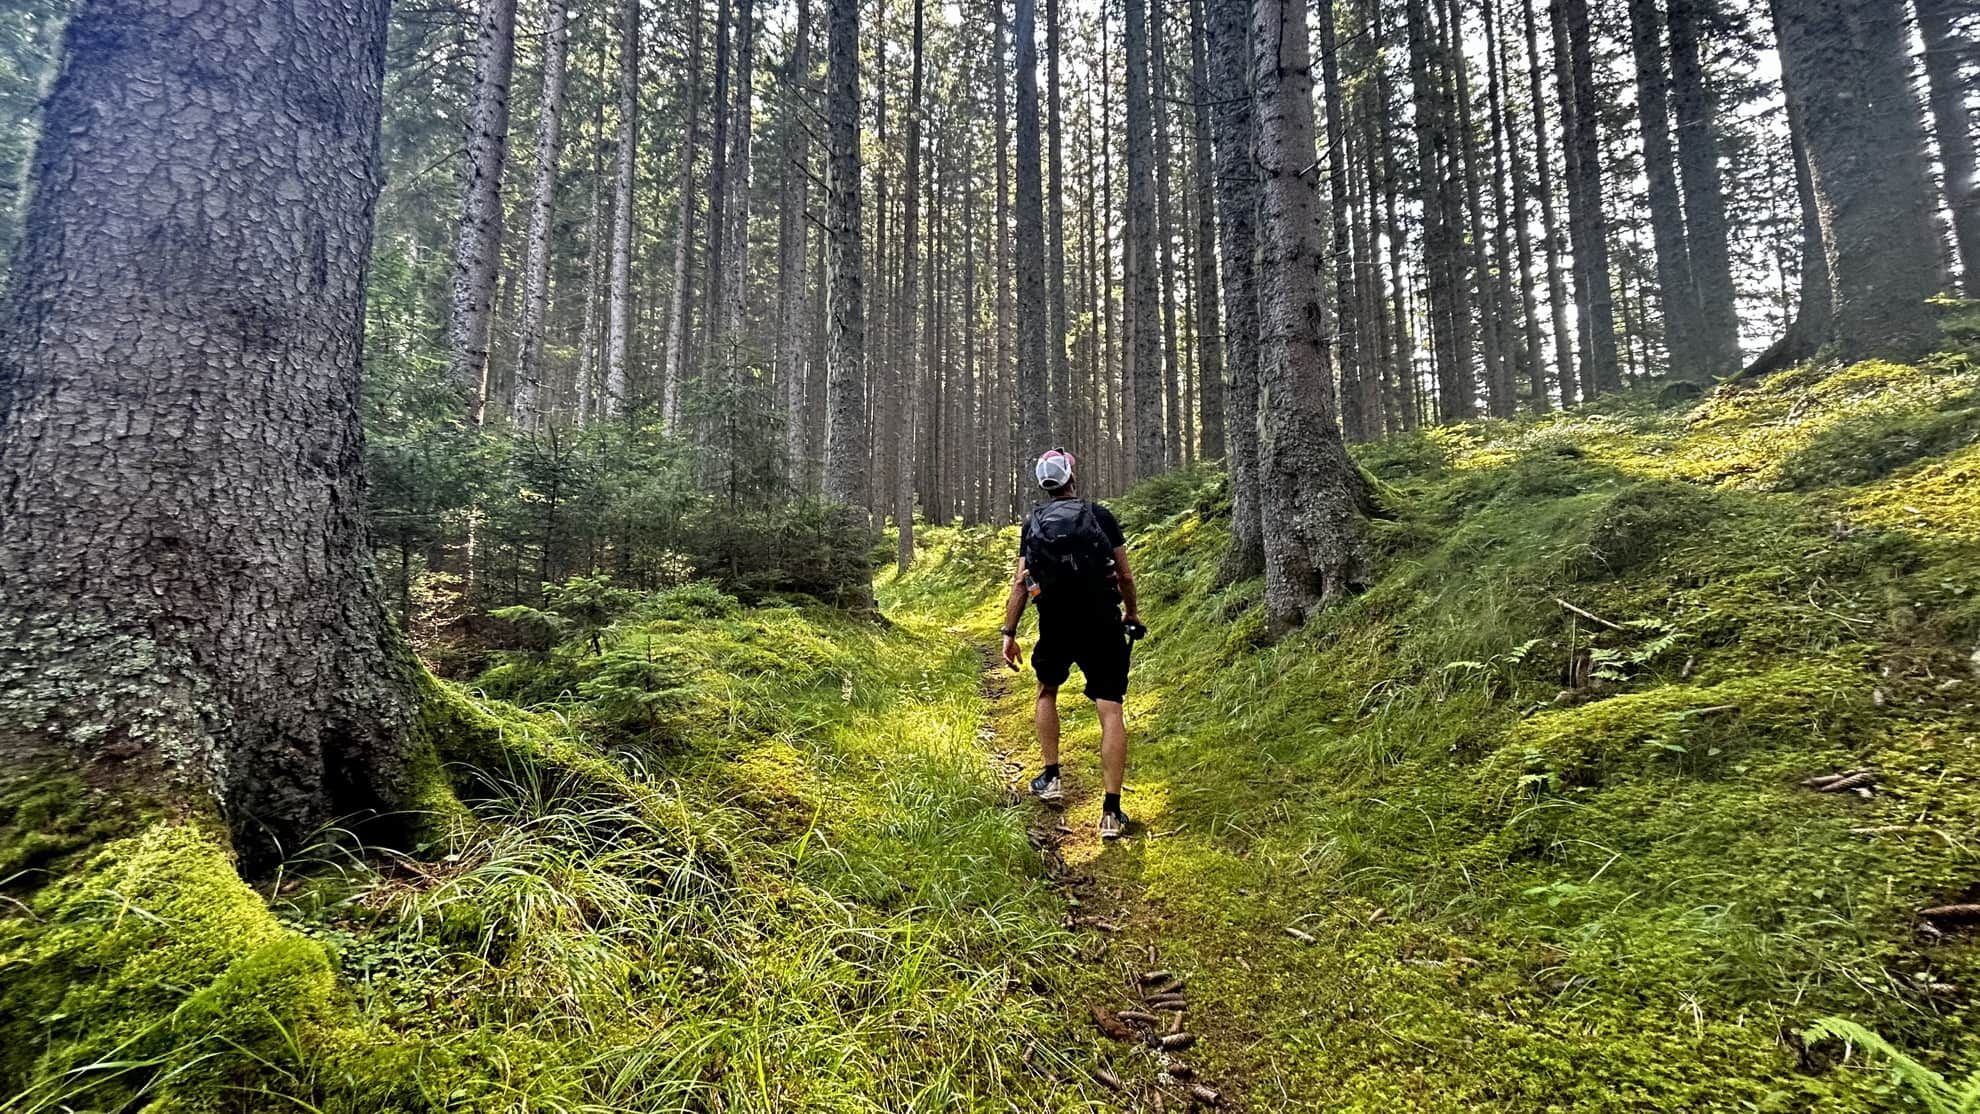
(1138,1014)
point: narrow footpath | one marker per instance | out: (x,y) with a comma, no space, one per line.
(1144,1028)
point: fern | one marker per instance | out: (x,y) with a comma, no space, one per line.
(1929,1087)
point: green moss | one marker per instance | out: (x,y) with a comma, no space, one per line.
(156,956)
(1532,893)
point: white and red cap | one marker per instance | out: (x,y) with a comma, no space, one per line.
(1055,469)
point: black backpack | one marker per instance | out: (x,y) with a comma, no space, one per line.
(1066,550)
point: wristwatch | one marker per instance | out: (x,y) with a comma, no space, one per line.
(1010,632)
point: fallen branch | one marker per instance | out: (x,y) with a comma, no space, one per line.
(1588,615)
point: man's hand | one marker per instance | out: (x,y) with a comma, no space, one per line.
(1012,656)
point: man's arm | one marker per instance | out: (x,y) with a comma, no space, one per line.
(1013,611)
(1124,579)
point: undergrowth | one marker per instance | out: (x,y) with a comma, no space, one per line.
(723,859)
(1537,796)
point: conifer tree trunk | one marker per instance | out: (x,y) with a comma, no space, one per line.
(1149,446)
(1946,55)
(911,383)
(191,623)
(1846,66)
(845,333)
(1676,293)
(478,248)
(794,190)
(1034,434)
(1550,223)
(1210,324)
(618,322)
(1522,337)
(526,409)
(680,305)
(1498,387)
(1338,247)
(1594,301)
(735,238)
(1311,493)
(1237,211)
(1059,414)
(997,422)
(1165,231)
(1704,198)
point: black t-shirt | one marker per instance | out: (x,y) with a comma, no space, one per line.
(1116,538)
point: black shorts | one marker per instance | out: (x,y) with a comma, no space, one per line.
(1098,644)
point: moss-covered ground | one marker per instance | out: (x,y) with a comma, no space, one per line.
(735,860)
(1523,828)
(1458,846)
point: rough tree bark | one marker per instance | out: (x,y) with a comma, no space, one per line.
(1149,446)
(1676,293)
(1952,128)
(793,191)
(477,249)
(1845,64)
(845,329)
(1311,492)
(1813,308)
(1717,349)
(1059,414)
(680,305)
(1210,327)
(910,383)
(1237,212)
(1594,301)
(1034,430)
(1550,222)
(191,619)
(618,313)
(526,409)
(1165,233)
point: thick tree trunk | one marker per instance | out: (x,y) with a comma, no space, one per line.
(1594,301)
(1311,493)
(618,313)
(1149,447)
(191,617)
(1952,128)
(735,238)
(1339,261)
(1845,65)
(793,191)
(1676,292)
(1237,212)
(1034,433)
(680,303)
(526,411)
(1704,199)
(845,354)
(1550,222)
(477,250)
(1210,325)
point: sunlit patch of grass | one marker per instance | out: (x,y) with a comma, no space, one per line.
(1530,888)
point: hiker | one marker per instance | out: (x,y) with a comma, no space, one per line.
(1072,560)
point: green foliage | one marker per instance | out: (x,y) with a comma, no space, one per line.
(1550,862)
(1928,1087)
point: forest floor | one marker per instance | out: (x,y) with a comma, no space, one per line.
(1649,764)
(1459,846)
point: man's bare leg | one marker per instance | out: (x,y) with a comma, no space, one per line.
(1046,716)
(1113,743)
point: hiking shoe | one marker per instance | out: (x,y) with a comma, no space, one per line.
(1113,825)
(1047,788)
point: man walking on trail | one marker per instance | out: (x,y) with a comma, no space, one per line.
(1072,560)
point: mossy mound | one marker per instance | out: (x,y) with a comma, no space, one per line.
(1539,795)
